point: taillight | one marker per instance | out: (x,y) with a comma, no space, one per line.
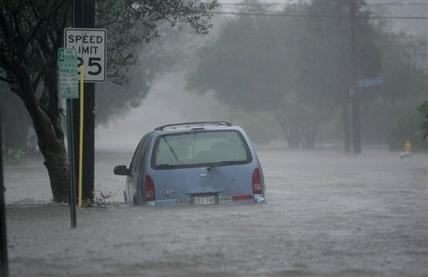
(257,183)
(149,188)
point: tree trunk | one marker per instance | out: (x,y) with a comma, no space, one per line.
(309,134)
(291,134)
(46,123)
(53,150)
(293,137)
(57,166)
(346,125)
(293,142)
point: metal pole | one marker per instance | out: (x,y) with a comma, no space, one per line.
(4,265)
(71,162)
(81,134)
(355,95)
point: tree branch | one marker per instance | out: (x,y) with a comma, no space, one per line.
(41,20)
(9,81)
(7,34)
(36,79)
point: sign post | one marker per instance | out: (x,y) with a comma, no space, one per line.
(68,85)
(71,162)
(81,128)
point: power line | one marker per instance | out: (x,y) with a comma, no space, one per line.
(317,15)
(398,4)
(309,4)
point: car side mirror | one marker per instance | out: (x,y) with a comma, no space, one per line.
(121,170)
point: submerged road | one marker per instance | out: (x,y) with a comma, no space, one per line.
(328,214)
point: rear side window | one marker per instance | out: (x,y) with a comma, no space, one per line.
(140,152)
(192,149)
(136,154)
(144,149)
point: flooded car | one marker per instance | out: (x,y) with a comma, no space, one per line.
(196,163)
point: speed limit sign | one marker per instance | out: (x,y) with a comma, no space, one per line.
(90,45)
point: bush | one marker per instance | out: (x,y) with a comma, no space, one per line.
(14,156)
(423,109)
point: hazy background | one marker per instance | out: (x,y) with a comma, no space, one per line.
(168,100)
(328,213)
(159,88)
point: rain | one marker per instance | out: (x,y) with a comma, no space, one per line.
(337,111)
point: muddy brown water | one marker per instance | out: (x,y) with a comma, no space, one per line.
(327,214)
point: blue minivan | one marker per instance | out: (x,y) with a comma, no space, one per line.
(196,163)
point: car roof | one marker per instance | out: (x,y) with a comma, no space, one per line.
(194,123)
(196,126)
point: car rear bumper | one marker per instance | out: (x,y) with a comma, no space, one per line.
(221,200)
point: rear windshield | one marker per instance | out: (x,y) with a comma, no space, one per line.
(193,149)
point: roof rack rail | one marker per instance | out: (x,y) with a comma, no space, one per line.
(221,122)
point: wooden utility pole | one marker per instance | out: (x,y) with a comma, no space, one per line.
(84,17)
(353,90)
(4,265)
(342,28)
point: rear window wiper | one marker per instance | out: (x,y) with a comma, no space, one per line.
(172,150)
(222,163)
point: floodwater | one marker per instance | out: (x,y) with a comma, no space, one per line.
(327,214)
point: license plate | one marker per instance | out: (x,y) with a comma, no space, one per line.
(204,199)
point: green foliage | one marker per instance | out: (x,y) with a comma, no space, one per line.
(14,156)
(296,68)
(137,53)
(423,109)
(133,24)
(113,100)
(403,127)
(390,113)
